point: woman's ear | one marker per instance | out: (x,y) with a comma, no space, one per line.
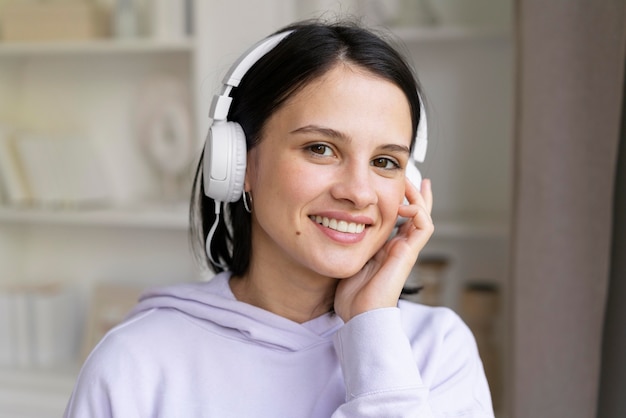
(250,170)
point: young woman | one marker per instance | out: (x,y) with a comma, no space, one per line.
(303,318)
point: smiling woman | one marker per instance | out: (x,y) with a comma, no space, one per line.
(312,137)
(341,151)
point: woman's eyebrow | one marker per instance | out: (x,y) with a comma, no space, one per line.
(395,148)
(333,133)
(323,131)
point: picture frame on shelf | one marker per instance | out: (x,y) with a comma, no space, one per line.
(60,170)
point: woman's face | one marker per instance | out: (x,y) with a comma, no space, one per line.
(328,174)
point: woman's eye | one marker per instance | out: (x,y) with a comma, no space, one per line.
(321,149)
(385,163)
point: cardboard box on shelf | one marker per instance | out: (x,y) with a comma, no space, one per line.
(51,21)
(38,326)
(110,303)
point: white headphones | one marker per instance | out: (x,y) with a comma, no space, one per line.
(225,150)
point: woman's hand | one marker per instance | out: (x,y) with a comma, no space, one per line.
(380,282)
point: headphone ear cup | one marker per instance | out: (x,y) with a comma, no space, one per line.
(224,166)
(415,177)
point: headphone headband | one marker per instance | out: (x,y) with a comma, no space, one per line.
(251,56)
(225,148)
(221,103)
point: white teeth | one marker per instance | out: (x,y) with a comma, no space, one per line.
(341,226)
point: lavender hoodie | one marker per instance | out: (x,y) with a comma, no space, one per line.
(193,350)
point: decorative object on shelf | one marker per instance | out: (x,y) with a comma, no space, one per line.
(52,20)
(110,303)
(374,12)
(474,13)
(61,170)
(164,134)
(38,326)
(168,19)
(402,13)
(425,283)
(307,9)
(479,307)
(13,187)
(125,19)
(416,13)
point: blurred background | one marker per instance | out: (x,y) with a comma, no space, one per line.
(103,112)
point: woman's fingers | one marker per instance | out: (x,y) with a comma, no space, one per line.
(423,196)
(427,193)
(380,282)
(419,213)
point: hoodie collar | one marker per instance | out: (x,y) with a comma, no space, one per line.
(214,302)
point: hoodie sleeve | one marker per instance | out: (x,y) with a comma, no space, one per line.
(382,376)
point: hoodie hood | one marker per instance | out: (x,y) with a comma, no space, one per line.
(214,302)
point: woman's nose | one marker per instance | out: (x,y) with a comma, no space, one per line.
(354,184)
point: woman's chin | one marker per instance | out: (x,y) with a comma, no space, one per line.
(342,272)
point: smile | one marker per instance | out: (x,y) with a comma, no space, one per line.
(341,226)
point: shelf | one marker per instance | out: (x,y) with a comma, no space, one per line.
(32,379)
(470,228)
(415,35)
(100,46)
(145,45)
(35,393)
(158,217)
(176,217)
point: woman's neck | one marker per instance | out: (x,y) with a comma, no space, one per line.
(299,297)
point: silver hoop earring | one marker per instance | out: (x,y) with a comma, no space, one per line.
(247,201)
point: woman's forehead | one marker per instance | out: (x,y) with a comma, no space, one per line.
(348,102)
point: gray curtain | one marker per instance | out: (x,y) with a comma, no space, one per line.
(569,63)
(612,399)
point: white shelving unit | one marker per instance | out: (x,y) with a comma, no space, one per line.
(35,393)
(88,87)
(468,160)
